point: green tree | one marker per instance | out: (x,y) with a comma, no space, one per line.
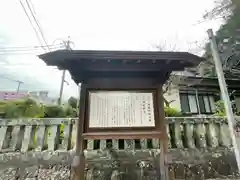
(223,9)
(72,101)
(22,108)
(228,40)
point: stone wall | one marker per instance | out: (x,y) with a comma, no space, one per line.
(111,164)
(57,172)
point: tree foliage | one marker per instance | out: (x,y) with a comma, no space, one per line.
(72,101)
(220,109)
(228,40)
(28,108)
(223,9)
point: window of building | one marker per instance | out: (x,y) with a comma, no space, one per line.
(197,104)
(237,103)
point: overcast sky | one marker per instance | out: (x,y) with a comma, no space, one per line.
(94,24)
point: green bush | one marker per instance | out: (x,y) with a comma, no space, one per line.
(12,110)
(54,111)
(31,109)
(70,112)
(72,102)
(171,112)
(22,108)
(220,110)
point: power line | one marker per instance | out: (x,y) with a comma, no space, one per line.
(27,47)
(67,44)
(25,11)
(27,65)
(32,7)
(21,50)
(17,81)
(13,54)
(5,77)
(24,50)
(38,25)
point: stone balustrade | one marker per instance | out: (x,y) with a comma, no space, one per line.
(199,148)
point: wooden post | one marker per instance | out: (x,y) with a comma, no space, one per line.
(164,140)
(79,160)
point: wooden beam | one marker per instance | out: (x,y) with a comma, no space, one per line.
(125,83)
(123,135)
(134,65)
(106,77)
(164,140)
(124,67)
(81,144)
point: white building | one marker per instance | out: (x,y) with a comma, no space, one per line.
(197,95)
(42,97)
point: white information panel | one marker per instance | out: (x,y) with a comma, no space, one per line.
(121,109)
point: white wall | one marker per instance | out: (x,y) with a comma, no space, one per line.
(173,95)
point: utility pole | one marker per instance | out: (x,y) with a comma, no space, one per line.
(17,81)
(224,92)
(19,84)
(67,45)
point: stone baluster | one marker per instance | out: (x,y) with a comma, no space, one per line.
(33,138)
(103,144)
(115,144)
(169,136)
(129,144)
(26,138)
(15,137)
(225,138)
(90,144)
(178,134)
(212,135)
(7,138)
(200,135)
(66,139)
(3,132)
(155,143)
(74,135)
(189,135)
(40,137)
(52,137)
(143,144)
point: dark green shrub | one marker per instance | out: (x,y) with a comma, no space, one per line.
(72,102)
(54,111)
(70,112)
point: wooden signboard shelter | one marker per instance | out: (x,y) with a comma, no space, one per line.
(121,94)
